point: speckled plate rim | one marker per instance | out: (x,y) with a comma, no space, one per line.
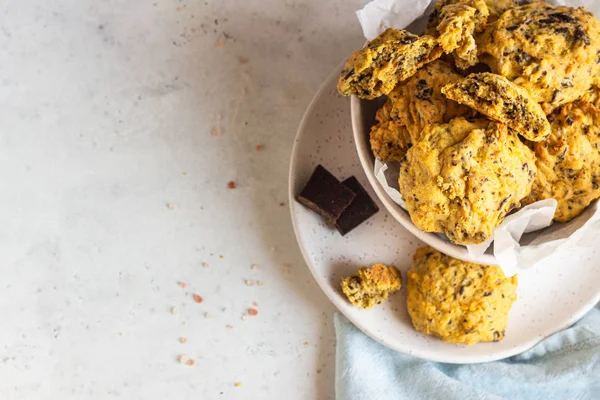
(338,301)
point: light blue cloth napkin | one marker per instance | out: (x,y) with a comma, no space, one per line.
(564,366)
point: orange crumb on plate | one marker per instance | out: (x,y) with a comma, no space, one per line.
(253,312)
(197,298)
(182,340)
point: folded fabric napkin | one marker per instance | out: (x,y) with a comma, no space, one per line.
(564,366)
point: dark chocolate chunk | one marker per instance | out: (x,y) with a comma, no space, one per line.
(325,195)
(361,208)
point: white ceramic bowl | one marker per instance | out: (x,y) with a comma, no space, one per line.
(363,117)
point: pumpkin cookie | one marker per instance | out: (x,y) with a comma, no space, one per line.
(455,23)
(410,106)
(568,162)
(550,51)
(371,286)
(392,57)
(501,100)
(457,301)
(462,178)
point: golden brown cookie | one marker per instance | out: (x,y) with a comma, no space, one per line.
(371,286)
(392,57)
(410,106)
(551,51)
(501,100)
(455,23)
(457,301)
(462,178)
(592,96)
(498,7)
(568,162)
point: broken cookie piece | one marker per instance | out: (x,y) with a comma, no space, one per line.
(325,195)
(501,100)
(361,208)
(455,23)
(371,286)
(392,57)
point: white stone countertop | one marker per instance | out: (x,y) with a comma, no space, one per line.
(121,124)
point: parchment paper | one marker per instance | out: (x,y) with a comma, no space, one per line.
(525,238)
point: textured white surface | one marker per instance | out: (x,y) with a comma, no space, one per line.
(115,189)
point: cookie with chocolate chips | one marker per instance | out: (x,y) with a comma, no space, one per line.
(551,51)
(462,178)
(392,57)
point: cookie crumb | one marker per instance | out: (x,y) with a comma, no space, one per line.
(174,310)
(207,315)
(281,204)
(253,312)
(171,206)
(221,256)
(255,304)
(259,147)
(238,384)
(259,283)
(190,362)
(215,131)
(228,326)
(249,282)
(231,185)
(205,265)
(182,284)
(197,298)
(184,358)
(182,340)
(243,60)
(254,266)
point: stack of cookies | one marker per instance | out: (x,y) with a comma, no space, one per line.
(495,107)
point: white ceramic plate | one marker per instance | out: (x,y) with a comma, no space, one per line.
(551,296)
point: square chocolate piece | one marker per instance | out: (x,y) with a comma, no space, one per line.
(361,208)
(325,195)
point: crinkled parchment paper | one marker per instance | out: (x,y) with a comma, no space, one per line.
(525,237)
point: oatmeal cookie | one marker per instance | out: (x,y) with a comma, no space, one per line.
(392,57)
(457,301)
(462,178)
(501,100)
(371,286)
(410,106)
(552,52)
(568,163)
